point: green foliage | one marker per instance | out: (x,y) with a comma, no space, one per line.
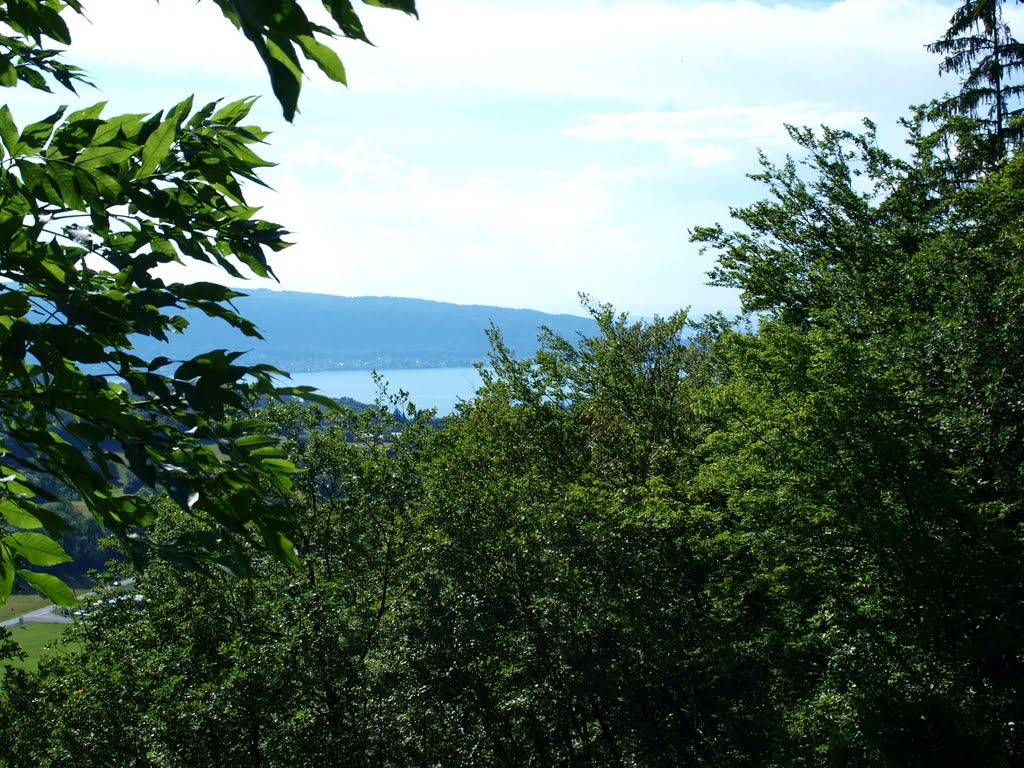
(90,208)
(872,449)
(280,30)
(790,542)
(36,641)
(794,542)
(107,201)
(291,668)
(793,539)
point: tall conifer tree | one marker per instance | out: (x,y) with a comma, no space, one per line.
(980,48)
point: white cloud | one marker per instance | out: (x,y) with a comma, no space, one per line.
(378,209)
(172,38)
(647,53)
(710,136)
(639,52)
(568,145)
(365,188)
(359,164)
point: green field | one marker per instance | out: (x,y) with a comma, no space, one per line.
(19,604)
(38,640)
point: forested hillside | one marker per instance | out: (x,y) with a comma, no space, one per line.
(313,332)
(791,538)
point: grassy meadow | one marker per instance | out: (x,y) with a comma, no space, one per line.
(38,640)
(17,605)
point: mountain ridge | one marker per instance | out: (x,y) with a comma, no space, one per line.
(314,331)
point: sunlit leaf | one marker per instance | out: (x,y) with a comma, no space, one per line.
(7,571)
(324,57)
(156,146)
(37,548)
(50,587)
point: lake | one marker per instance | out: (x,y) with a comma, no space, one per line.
(439,388)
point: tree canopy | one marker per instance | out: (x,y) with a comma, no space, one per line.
(787,538)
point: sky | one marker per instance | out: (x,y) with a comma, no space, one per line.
(519,152)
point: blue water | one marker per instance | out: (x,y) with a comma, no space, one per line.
(439,388)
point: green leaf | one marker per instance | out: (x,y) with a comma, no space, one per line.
(281,465)
(233,111)
(38,548)
(65,178)
(98,157)
(54,25)
(324,56)
(216,363)
(256,440)
(17,516)
(180,111)
(279,545)
(309,394)
(55,269)
(8,73)
(156,147)
(117,128)
(14,304)
(34,79)
(86,115)
(231,567)
(285,80)
(346,19)
(36,135)
(8,130)
(204,291)
(52,522)
(104,182)
(407,6)
(7,571)
(50,587)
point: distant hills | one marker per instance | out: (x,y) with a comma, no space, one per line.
(311,332)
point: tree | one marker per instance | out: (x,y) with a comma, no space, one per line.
(980,47)
(565,619)
(868,444)
(293,668)
(90,207)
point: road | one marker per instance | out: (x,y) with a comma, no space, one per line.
(49,614)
